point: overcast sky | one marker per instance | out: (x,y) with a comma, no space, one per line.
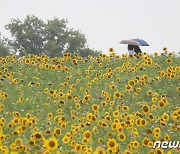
(106,22)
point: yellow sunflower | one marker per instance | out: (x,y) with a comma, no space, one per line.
(51,144)
(78,147)
(145,109)
(121,136)
(112,145)
(87,135)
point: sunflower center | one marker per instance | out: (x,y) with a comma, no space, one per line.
(121,136)
(51,144)
(117,95)
(146,142)
(78,148)
(145,109)
(87,135)
(111,144)
(143,122)
(58,132)
(38,135)
(95,108)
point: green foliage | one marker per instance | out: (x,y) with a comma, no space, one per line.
(4,51)
(28,35)
(56,35)
(88,51)
(51,38)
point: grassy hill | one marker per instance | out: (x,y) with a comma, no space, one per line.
(106,104)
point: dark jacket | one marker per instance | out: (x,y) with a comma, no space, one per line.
(137,49)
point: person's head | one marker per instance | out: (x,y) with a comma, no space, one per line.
(130,47)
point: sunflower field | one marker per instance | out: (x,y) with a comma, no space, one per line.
(106,104)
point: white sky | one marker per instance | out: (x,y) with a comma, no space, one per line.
(106,22)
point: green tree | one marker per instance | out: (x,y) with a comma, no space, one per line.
(4,50)
(28,35)
(52,37)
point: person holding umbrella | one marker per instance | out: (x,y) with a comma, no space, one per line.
(133,45)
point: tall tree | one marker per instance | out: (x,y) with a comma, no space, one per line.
(28,35)
(52,38)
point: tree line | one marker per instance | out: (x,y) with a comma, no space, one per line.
(34,36)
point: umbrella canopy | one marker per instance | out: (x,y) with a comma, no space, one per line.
(130,42)
(142,42)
